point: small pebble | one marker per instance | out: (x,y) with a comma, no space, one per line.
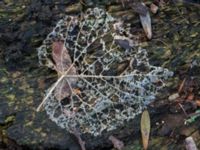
(173,97)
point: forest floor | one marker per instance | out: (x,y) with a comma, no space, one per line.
(175,45)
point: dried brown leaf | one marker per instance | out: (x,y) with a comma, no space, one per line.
(154,8)
(190,97)
(146,23)
(145,128)
(62,58)
(198,102)
(63,63)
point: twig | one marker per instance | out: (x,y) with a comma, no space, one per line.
(183,110)
(114,77)
(181,86)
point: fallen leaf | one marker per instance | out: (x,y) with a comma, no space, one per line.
(62,58)
(190,97)
(119,145)
(154,8)
(63,63)
(146,23)
(145,126)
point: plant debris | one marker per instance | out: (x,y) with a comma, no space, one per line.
(145,128)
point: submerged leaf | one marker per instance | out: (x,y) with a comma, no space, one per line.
(145,128)
(146,23)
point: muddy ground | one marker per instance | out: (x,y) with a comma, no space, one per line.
(175,45)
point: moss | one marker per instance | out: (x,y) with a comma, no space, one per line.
(9,119)
(11,97)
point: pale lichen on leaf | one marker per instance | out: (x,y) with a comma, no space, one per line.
(104,77)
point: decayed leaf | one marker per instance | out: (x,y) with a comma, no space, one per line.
(145,128)
(62,59)
(154,8)
(146,23)
(63,63)
(103,70)
(119,145)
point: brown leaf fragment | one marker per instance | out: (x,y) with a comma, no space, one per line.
(198,102)
(145,126)
(119,145)
(63,64)
(146,23)
(154,8)
(62,58)
(190,144)
(190,97)
(62,90)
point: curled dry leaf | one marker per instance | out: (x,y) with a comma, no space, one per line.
(146,23)
(119,145)
(63,63)
(145,126)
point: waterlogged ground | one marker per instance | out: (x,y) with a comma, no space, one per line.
(23,26)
